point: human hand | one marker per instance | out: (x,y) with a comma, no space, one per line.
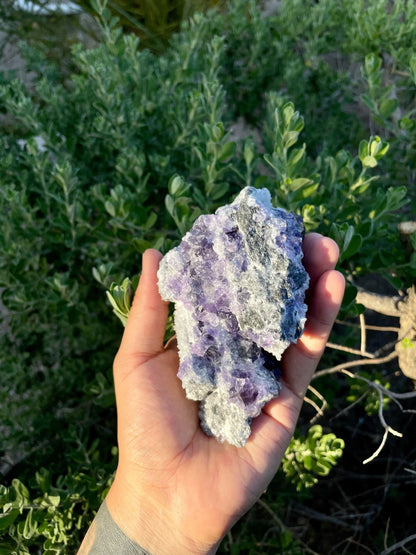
(176,490)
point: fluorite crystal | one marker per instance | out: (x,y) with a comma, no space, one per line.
(238,285)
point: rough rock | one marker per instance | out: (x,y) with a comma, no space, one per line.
(238,285)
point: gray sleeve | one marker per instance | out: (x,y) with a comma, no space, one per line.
(108,539)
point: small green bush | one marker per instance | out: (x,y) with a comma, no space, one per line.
(124,155)
(307,458)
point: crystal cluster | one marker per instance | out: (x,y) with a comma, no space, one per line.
(238,285)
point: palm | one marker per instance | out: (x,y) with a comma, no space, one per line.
(196,469)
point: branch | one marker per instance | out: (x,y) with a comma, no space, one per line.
(384,304)
(319,410)
(368,326)
(363,343)
(349,350)
(353,363)
(394,548)
(381,391)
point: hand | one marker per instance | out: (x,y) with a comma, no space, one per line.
(177,491)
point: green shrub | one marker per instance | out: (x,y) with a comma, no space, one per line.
(307,458)
(123,155)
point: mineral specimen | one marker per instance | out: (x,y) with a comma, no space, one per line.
(238,285)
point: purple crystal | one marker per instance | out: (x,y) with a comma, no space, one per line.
(238,285)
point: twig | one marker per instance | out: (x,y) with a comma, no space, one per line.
(387,428)
(379,448)
(349,350)
(369,327)
(349,407)
(311,513)
(274,516)
(381,391)
(319,410)
(363,343)
(353,363)
(355,542)
(386,533)
(383,328)
(393,548)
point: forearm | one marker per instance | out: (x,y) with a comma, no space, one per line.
(104,537)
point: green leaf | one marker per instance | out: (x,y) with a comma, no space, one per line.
(412,67)
(369,162)
(308,462)
(369,152)
(299,183)
(7,548)
(217,132)
(170,205)
(387,107)
(219,191)
(141,244)
(175,185)
(54,500)
(363,150)
(288,113)
(372,63)
(296,157)
(43,479)
(369,102)
(226,151)
(352,247)
(109,206)
(306,191)
(377,148)
(30,526)
(151,220)
(7,519)
(248,151)
(21,492)
(290,138)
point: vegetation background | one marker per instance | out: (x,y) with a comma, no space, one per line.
(121,132)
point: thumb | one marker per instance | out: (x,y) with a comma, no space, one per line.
(145,328)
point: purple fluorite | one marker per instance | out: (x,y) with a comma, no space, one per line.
(238,285)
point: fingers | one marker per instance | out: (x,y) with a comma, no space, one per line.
(320,254)
(324,297)
(301,359)
(145,328)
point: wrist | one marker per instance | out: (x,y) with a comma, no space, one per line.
(152,526)
(105,537)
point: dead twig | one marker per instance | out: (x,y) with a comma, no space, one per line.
(349,350)
(369,326)
(382,392)
(353,364)
(319,410)
(398,545)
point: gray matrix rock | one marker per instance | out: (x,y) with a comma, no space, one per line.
(238,285)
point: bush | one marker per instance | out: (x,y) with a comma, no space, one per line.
(124,155)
